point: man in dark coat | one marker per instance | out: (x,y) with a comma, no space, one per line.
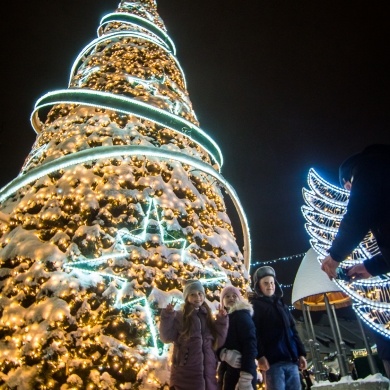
(281,352)
(367,176)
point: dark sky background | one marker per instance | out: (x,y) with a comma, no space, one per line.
(281,86)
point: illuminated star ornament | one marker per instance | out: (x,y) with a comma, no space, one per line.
(325,206)
(151,233)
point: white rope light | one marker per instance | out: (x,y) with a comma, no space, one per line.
(130,150)
(127,105)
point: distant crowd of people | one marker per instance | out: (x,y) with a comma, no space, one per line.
(255,338)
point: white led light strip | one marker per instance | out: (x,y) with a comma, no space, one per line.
(73,96)
(122,34)
(375,318)
(120,17)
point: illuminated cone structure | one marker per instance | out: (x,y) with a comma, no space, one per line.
(325,206)
(119,202)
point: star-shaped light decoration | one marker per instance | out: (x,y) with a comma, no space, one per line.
(120,284)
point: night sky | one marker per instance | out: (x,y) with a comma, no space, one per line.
(281,86)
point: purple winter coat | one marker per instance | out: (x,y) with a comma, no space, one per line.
(194,361)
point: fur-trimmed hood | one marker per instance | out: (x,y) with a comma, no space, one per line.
(242,305)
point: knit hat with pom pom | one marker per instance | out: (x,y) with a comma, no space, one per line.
(229,290)
(192,285)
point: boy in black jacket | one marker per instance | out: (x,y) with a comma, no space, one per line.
(281,352)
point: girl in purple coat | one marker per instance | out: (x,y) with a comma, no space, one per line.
(196,336)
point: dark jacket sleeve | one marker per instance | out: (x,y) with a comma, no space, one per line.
(259,346)
(256,320)
(361,210)
(247,340)
(300,347)
(377,265)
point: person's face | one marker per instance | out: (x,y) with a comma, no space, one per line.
(347,185)
(267,286)
(196,298)
(230,299)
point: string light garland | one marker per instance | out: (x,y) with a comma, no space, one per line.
(286,258)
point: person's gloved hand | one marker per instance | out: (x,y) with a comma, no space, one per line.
(358,271)
(231,357)
(245,381)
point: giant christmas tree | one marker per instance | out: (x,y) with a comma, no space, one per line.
(119,202)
